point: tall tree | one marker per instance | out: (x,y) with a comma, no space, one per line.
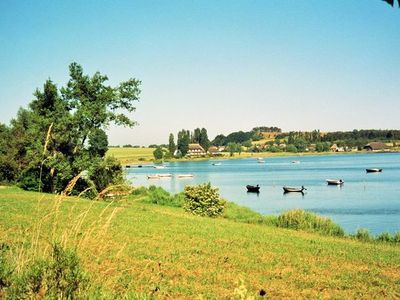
(203,139)
(171,144)
(96,104)
(183,141)
(196,136)
(62,133)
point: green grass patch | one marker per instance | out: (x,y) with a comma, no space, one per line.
(246,215)
(132,155)
(133,248)
(303,220)
(157,195)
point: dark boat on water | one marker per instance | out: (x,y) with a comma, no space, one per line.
(287,189)
(253,188)
(373,170)
(335,181)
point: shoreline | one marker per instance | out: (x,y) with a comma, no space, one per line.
(244,155)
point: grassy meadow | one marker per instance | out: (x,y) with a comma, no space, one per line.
(130,155)
(136,249)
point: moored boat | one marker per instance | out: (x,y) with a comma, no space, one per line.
(185,175)
(334,181)
(253,188)
(217,164)
(373,170)
(164,175)
(287,189)
(159,167)
(153,177)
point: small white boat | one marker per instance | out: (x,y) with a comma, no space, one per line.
(165,175)
(185,175)
(153,177)
(334,181)
(287,189)
(260,161)
(216,164)
(295,161)
(159,167)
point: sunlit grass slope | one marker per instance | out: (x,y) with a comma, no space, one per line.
(129,155)
(164,252)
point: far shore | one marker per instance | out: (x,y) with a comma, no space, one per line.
(134,160)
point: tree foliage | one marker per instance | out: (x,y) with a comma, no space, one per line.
(203,200)
(183,141)
(62,133)
(158,153)
(171,144)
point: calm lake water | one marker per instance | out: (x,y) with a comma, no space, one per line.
(369,201)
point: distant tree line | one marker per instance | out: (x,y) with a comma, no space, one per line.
(242,137)
(293,141)
(366,134)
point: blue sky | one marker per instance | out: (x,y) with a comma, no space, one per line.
(223,65)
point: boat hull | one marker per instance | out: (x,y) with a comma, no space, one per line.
(253,189)
(185,175)
(334,181)
(373,170)
(293,190)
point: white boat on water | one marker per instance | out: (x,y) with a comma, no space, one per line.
(334,181)
(165,175)
(217,164)
(261,161)
(153,177)
(185,175)
(159,167)
(295,161)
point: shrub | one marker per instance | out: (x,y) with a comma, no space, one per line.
(291,148)
(158,195)
(5,269)
(396,237)
(56,277)
(384,237)
(158,153)
(108,171)
(362,234)
(203,200)
(274,149)
(140,191)
(302,220)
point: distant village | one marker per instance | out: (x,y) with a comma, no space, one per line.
(271,139)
